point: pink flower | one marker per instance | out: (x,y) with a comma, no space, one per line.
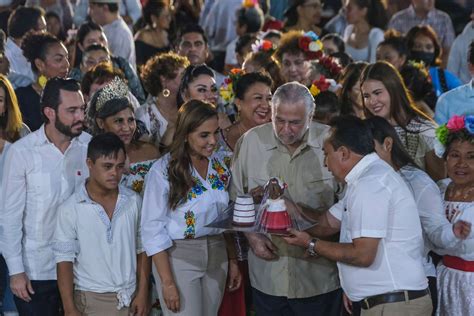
(455,123)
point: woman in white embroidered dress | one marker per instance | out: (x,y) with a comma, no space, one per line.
(184,191)
(456,273)
(384,94)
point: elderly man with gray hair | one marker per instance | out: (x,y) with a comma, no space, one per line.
(284,281)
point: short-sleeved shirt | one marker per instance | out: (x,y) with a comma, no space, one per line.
(459,101)
(378,204)
(259,156)
(121,41)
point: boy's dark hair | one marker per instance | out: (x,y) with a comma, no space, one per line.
(192,28)
(353,133)
(51,96)
(243,41)
(104,145)
(327,106)
(23,20)
(250,17)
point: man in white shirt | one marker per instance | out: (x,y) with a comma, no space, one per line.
(21,21)
(106,13)
(379,254)
(97,242)
(458,55)
(42,169)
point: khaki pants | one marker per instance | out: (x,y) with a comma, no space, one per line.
(417,307)
(199,268)
(98,304)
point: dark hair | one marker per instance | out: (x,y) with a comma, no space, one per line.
(191,115)
(344,59)
(327,106)
(113,7)
(190,74)
(402,107)
(382,129)
(23,20)
(51,96)
(351,132)
(104,145)
(193,28)
(152,7)
(165,65)
(243,41)
(348,80)
(470,57)
(291,14)
(3,37)
(462,136)
(95,47)
(101,73)
(418,83)
(250,17)
(337,40)
(35,46)
(249,79)
(268,63)
(395,40)
(271,33)
(376,13)
(81,34)
(62,35)
(427,31)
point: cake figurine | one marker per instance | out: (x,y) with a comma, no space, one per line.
(244,211)
(275,217)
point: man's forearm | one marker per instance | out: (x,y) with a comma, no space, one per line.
(344,252)
(66,284)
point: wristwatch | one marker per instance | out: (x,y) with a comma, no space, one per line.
(311,245)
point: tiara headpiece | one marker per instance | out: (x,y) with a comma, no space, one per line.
(116,89)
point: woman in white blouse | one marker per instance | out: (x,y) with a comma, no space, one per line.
(184,191)
(366,20)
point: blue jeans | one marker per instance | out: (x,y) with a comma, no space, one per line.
(45,302)
(328,304)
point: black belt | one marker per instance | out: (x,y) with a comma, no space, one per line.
(392,297)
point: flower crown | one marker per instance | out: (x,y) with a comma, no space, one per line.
(455,124)
(311,45)
(116,89)
(420,65)
(331,65)
(227,90)
(249,4)
(263,46)
(323,84)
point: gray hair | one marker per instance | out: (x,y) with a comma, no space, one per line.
(293,92)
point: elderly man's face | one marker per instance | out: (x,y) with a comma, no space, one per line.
(290,122)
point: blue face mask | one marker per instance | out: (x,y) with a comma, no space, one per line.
(427,58)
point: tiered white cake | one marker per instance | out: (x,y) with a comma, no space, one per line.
(244,211)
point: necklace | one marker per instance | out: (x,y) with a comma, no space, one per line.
(460,194)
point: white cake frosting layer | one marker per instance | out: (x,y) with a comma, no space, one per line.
(241,207)
(250,219)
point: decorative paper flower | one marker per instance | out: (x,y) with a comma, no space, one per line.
(311,45)
(455,123)
(263,46)
(314,90)
(226,91)
(331,65)
(442,133)
(320,85)
(469,122)
(250,3)
(420,65)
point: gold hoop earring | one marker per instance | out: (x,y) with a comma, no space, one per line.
(166,92)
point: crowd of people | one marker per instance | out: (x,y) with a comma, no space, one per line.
(127,127)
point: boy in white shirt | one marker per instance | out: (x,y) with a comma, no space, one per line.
(101,267)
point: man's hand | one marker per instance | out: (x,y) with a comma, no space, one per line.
(347,303)
(171,296)
(140,305)
(298,238)
(234,277)
(21,286)
(462,229)
(261,246)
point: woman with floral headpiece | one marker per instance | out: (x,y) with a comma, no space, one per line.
(111,111)
(456,273)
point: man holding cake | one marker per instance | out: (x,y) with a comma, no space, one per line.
(290,148)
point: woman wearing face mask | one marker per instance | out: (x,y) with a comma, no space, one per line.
(384,94)
(438,232)
(423,45)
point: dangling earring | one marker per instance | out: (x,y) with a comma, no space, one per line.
(166,92)
(42,80)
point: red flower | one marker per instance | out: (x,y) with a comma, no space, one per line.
(227,80)
(322,83)
(267,45)
(303,43)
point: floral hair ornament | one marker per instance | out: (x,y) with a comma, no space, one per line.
(227,90)
(330,64)
(420,65)
(263,46)
(455,124)
(249,4)
(323,84)
(116,89)
(311,45)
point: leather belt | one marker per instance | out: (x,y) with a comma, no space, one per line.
(391,297)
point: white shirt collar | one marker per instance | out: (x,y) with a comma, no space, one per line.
(360,167)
